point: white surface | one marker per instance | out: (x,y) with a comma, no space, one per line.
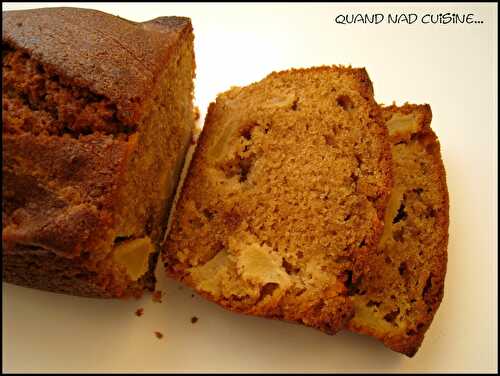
(452,67)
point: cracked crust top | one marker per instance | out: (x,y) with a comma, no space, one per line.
(118,59)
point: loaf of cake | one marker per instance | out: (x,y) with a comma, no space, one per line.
(396,301)
(97,116)
(284,200)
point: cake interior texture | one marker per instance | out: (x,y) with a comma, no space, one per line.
(284,199)
(397,300)
(88,183)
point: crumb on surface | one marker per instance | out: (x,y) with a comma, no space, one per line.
(159,335)
(194,320)
(196,112)
(157,296)
(192,295)
(139,312)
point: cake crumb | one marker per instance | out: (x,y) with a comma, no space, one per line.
(196,112)
(194,320)
(139,312)
(157,296)
(159,335)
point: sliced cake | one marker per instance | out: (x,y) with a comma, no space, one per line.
(284,200)
(396,301)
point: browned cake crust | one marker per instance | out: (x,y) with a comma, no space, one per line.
(398,299)
(284,199)
(111,56)
(97,116)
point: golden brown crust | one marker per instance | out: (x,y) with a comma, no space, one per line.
(120,59)
(63,199)
(228,214)
(412,267)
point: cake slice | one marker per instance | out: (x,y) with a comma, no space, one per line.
(97,116)
(284,200)
(396,301)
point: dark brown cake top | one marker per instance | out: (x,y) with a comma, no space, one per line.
(111,56)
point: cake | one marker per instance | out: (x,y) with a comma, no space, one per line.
(284,200)
(97,116)
(397,300)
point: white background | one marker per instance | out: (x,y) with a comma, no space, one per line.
(452,67)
